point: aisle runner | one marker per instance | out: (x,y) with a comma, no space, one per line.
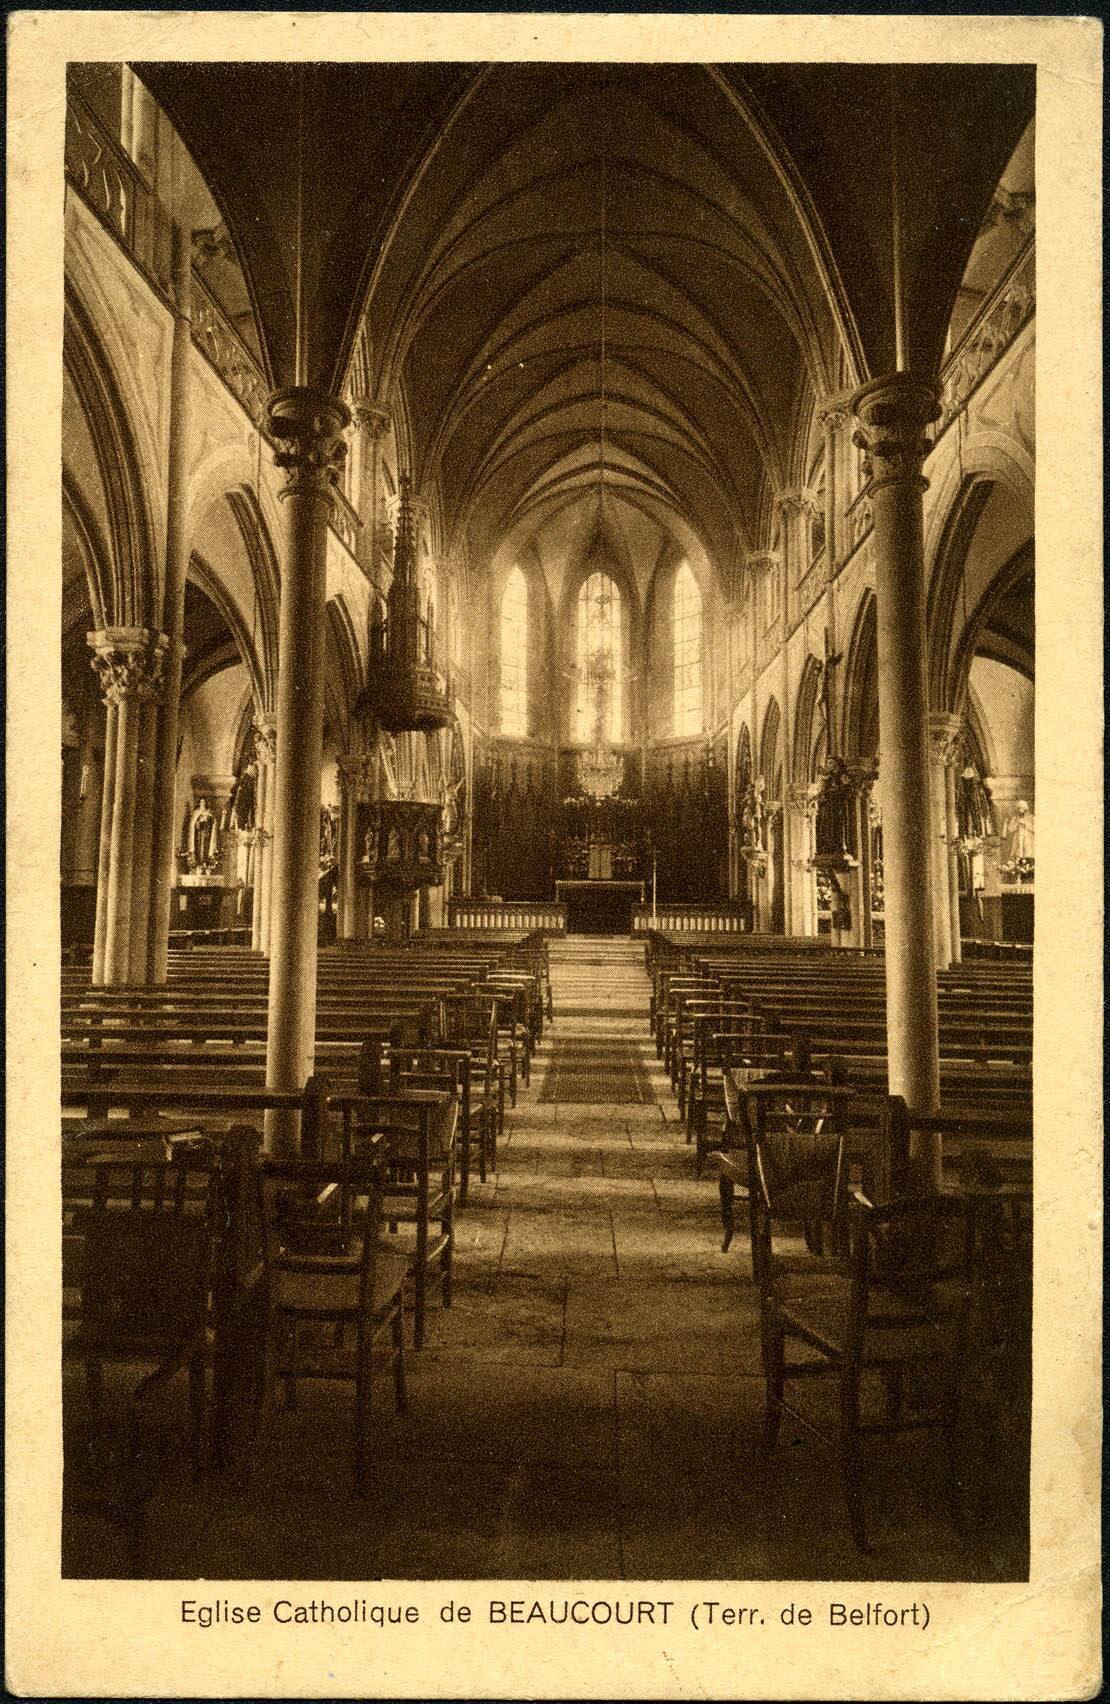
(593,1069)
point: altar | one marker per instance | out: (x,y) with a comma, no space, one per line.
(598,906)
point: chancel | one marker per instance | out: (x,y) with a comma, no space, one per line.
(548,800)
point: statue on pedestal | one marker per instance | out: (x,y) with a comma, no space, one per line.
(1019,831)
(239,811)
(974,816)
(753,815)
(203,841)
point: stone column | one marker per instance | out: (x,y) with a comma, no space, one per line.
(945,733)
(352,775)
(893,413)
(759,565)
(129,663)
(802,806)
(107,793)
(164,830)
(89,789)
(265,751)
(794,508)
(862,777)
(146,783)
(952,841)
(308,426)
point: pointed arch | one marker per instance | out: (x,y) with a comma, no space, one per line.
(743,768)
(260,550)
(860,713)
(135,589)
(770,757)
(809,722)
(94,558)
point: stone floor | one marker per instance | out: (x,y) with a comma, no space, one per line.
(588,1408)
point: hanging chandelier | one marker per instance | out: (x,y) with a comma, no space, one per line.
(600,768)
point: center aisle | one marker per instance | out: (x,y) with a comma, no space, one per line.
(590,1406)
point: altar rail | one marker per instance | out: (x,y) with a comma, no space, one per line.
(514,916)
(727,918)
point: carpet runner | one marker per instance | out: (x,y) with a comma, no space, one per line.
(599,1070)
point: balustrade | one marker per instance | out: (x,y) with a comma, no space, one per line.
(1006,310)
(512,916)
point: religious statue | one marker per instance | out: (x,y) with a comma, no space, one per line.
(1018,833)
(202,842)
(423,844)
(239,811)
(753,815)
(834,830)
(393,846)
(328,851)
(974,816)
(453,807)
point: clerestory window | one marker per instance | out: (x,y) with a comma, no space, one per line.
(687,652)
(514,655)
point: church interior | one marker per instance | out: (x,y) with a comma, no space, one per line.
(548,814)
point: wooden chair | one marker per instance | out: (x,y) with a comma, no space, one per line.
(334,1288)
(139,1264)
(797,1174)
(471,1022)
(418,1116)
(899,1317)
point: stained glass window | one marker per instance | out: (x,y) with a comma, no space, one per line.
(687,652)
(600,696)
(514,655)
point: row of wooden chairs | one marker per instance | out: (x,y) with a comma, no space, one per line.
(894,1294)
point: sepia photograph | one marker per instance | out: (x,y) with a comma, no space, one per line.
(545,626)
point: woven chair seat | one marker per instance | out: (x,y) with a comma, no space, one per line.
(322,1286)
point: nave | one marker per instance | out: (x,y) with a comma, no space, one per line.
(590,1405)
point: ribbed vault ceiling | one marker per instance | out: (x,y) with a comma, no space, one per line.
(459,212)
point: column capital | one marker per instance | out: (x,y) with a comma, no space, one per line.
(217,787)
(373,418)
(762,561)
(308,426)
(798,500)
(265,736)
(946,733)
(356,773)
(893,413)
(129,663)
(801,796)
(835,410)
(860,774)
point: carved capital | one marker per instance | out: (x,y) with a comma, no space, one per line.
(798,501)
(946,734)
(802,798)
(893,413)
(356,774)
(211,244)
(375,419)
(308,427)
(860,776)
(762,562)
(265,737)
(128,661)
(834,412)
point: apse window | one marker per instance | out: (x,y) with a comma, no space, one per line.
(600,700)
(687,652)
(514,655)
